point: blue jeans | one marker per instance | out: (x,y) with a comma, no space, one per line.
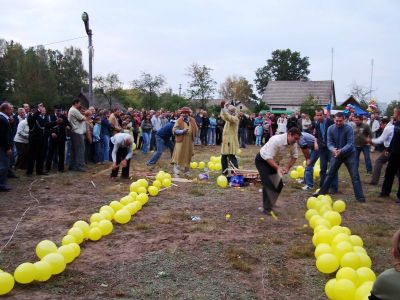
(98,152)
(146,142)
(105,144)
(161,144)
(365,150)
(324,159)
(351,165)
(309,171)
(211,136)
(258,140)
(242,137)
(4,165)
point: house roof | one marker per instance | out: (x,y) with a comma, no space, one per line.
(351,100)
(100,101)
(295,92)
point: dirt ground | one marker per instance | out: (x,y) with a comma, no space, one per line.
(163,254)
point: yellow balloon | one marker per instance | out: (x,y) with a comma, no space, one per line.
(311,203)
(157,183)
(166,182)
(333,217)
(76,248)
(77,233)
(294,174)
(126,199)
(356,240)
(365,260)
(108,209)
(344,289)
(222,181)
(324,236)
(105,226)
(95,233)
(202,165)
(25,273)
(167,175)
(142,198)
(345,230)
(363,291)
(83,226)
(153,191)
(339,206)
(160,176)
(45,247)
(359,249)
(327,263)
(365,274)
(316,172)
(313,221)
(96,217)
(123,216)
(106,215)
(68,239)
(340,237)
(6,283)
(116,205)
(347,273)
(351,260)
(210,165)
(330,288)
(218,166)
(133,146)
(133,196)
(56,261)
(322,249)
(141,190)
(342,248)
(143,182)
(300,171)
(43,270)
(193,165)
(67,252)
(134,186)
(309,213)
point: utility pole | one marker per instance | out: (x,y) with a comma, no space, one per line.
(180,89)
(370,83)
(85,19)
(331,94)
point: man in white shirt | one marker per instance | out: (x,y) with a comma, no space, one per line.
(121,154)
(78,131)
(385,139)
(157,125)
(268,165)
(374,125)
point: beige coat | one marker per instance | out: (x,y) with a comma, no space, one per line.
(184,150)
(230,142)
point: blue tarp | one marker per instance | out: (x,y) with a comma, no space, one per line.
(359,111)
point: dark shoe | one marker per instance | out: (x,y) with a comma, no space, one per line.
(381,195)
(372,183)
(398,201)
(43,174)
(5,189)
(361,200)
(79,170)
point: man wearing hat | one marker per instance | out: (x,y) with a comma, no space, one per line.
(230,142)
(184,130)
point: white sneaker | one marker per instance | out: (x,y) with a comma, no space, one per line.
(176,170)
(306,188)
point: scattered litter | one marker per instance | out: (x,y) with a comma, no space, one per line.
(161,274)
(195,218)
(260,190)
(203,176)
(104,285)
(93,183)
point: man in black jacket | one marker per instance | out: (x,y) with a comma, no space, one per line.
(242,129)
(37,125)
(58,127)
(321,129)
(6,110)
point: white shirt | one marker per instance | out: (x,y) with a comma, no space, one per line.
(156,122)
(386,136)
(119,142)
(77,121)
(277,146)
(282,122)
(22,135)
(374,125)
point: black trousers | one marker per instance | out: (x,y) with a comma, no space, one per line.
(203,135)
(121,154)
(271,190)
(218,135)
(56,153)
(392,169)
(224,162)
(35,156)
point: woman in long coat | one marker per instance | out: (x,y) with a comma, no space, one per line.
(185,130)
(230,142)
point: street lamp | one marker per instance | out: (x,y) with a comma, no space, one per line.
(85,19)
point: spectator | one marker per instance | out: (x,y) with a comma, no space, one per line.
(306,124)
(374,125)
(267,126)
(21,141)
(219,129)
(308,144)
(242,129)
(204,128)
(362,138)
(250,130)
(105,135)
(98,155)
(156,123)
(282,123)
(258,132)
(78,131)
(199,123)
(89,147)
(6,110)
(341,144)
(211,130)
(291,122)
(114,121)
(146,133)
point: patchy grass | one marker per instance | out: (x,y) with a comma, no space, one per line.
(143,226)
(240,259)
(300,251)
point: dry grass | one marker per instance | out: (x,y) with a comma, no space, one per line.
(143,226)
(240,259)
(300,251)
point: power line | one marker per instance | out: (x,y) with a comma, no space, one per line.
(63,41)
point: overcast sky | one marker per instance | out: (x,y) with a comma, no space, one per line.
(231,37)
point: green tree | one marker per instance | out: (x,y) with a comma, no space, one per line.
(202,85)
(108,86)
(309,106)
(284,65)
(150,87)
(391,107)
(236,89)
(261,105)
(130,98)
(173,102)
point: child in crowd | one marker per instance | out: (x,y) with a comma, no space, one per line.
(258,132)
(98,155)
